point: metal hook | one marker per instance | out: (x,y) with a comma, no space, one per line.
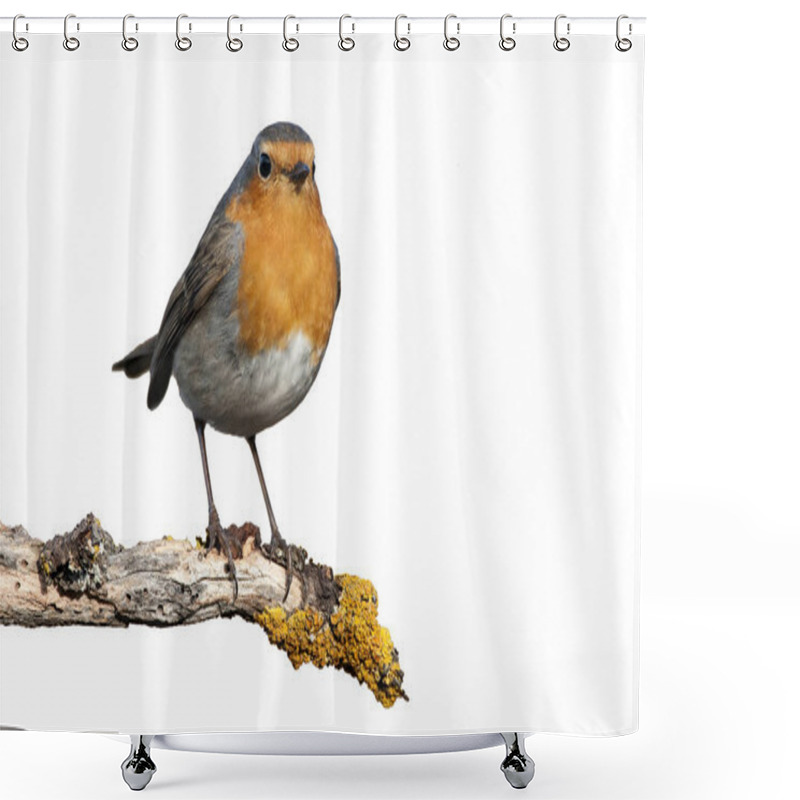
(451,42)
(289,44)
(346,42)
(623,45)
(233,44)
(561,43)
(183,43)
(401,43)
(506,42)
(19,43)
(129,43)
(71,43)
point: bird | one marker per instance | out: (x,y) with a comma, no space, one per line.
(247,325)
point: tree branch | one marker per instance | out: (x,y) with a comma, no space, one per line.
(85,578)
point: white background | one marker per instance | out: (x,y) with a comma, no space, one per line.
(721,434)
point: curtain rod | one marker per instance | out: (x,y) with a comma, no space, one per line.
(324,25)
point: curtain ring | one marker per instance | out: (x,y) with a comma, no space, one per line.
(19,43)
(561,43)
(401,43)
(233,44)
(290,44)
(623,45)
(129,43)
(346,43)
(506,42)
(451,42)
(183,43)
(71,43)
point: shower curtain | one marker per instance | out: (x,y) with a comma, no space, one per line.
(460,482)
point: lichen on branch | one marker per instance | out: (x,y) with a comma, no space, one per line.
(350,639)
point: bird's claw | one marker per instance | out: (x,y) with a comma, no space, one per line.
(280,551)
(217,537)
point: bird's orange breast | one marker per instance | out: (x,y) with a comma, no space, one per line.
(287,273)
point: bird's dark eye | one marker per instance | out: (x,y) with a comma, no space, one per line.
(264,166)
(313,168)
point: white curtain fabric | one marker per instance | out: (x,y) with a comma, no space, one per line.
(471,443)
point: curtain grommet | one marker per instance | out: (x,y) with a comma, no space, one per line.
(507,43)
(561,43)
(71,43)
(234,44)
(129,43)
(346,43)
(19,43)
(183,43)
(451,43)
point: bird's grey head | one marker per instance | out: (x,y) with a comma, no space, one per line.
(280,132)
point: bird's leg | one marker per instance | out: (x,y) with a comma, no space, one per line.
(216,534)
(277,542)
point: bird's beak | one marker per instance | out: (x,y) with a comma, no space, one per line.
(299,173)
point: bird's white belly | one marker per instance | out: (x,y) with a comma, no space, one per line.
(239,393)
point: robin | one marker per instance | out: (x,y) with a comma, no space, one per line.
(248,323)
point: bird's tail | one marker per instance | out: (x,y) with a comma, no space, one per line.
(137,362)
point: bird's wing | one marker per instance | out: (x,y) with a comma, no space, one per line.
(219,249)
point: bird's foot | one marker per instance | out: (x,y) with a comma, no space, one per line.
(223,540)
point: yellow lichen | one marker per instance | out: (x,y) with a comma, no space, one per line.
(351,640)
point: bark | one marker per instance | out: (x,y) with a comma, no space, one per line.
(84,578)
